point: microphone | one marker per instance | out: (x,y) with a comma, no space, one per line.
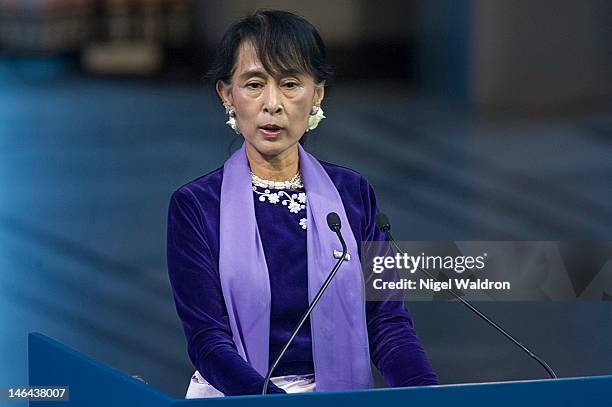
(383,224)
(333,221)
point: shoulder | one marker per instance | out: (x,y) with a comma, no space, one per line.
(357,195)
(202,195)
(350,183)
(205,188)
(195,206)
(344,177)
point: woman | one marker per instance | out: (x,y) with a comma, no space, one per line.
(248,244)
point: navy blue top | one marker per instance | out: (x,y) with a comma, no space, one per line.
(281,220)
(193,260)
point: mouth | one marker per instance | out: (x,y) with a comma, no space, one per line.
(270,129)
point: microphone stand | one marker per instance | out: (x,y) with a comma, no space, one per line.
(386,228)
(315,300)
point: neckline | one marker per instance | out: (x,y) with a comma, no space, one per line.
(293,183)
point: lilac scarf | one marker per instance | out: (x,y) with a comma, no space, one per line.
(338,323)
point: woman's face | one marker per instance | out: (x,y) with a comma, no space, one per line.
(271,112)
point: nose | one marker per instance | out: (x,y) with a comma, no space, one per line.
(272,102)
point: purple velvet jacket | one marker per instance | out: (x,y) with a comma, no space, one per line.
(193,257)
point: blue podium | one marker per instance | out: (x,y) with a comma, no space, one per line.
(93,384)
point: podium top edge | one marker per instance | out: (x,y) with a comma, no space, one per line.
(186,402)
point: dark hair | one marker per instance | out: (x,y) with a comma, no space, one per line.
(284,42)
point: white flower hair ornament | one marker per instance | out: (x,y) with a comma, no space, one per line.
(316,115)
(231,119)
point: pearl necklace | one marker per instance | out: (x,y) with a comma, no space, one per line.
(293,183)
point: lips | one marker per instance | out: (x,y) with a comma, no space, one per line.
(270,127)
(270,130)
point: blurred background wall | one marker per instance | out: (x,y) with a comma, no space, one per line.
(542,54)
(472,120)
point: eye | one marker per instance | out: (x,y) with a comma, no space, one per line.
(254,85)
(291,85)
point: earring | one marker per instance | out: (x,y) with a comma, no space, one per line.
(231,121)
(316,115)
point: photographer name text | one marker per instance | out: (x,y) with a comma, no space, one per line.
(433,285)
